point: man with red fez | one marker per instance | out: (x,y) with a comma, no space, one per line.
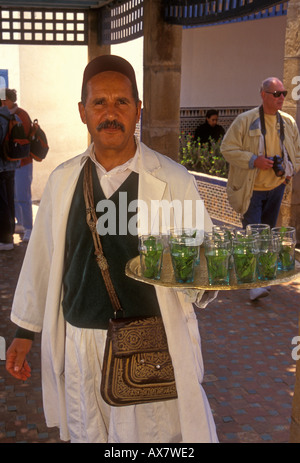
(61,292)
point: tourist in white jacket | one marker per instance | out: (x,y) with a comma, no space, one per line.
(254,141)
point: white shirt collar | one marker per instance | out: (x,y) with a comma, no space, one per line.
(131,164)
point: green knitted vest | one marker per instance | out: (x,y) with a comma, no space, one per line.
(86,303)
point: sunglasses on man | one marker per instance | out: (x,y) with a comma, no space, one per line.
(278,93)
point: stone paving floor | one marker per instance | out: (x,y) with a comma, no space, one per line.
(249,369)
(247,346)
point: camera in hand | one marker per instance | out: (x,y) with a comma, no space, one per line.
(278,166)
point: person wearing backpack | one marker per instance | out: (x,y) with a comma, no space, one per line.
(23,175)
(7,179)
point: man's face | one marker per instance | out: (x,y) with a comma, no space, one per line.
(272,104)
(111,113)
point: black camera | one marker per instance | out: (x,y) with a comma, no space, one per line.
(277,166)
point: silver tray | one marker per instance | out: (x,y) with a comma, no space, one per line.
(167,278)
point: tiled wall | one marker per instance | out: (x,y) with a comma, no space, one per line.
(213,192)
(190,118)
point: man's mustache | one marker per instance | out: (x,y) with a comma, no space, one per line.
(110,125)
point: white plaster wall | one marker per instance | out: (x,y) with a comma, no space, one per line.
(133,51)
(52,96)
(48,82)
(224,65)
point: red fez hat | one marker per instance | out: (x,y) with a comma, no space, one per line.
(109,63)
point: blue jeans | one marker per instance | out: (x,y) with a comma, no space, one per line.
(264,207)
(23,204)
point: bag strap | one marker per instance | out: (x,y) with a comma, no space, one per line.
(91,219)
(263,127)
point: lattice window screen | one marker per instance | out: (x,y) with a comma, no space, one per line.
(122,22)
(27,26)
(205,12)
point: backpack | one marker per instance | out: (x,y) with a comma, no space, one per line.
(38,142)
(15,145)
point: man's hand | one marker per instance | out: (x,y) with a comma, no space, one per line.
(261,162)
(16,363)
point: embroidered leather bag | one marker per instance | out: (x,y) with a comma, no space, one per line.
(137,367)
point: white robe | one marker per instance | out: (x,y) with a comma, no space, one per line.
(37,302)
